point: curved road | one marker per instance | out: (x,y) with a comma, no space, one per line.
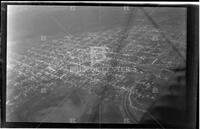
(127,110)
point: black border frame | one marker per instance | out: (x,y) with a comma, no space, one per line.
(191,70)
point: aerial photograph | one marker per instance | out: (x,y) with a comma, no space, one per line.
(92,64)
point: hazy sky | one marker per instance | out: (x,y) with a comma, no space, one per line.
(28,21)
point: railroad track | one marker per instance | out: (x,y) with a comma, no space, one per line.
(127,109)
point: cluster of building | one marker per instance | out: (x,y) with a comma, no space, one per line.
(76,60)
